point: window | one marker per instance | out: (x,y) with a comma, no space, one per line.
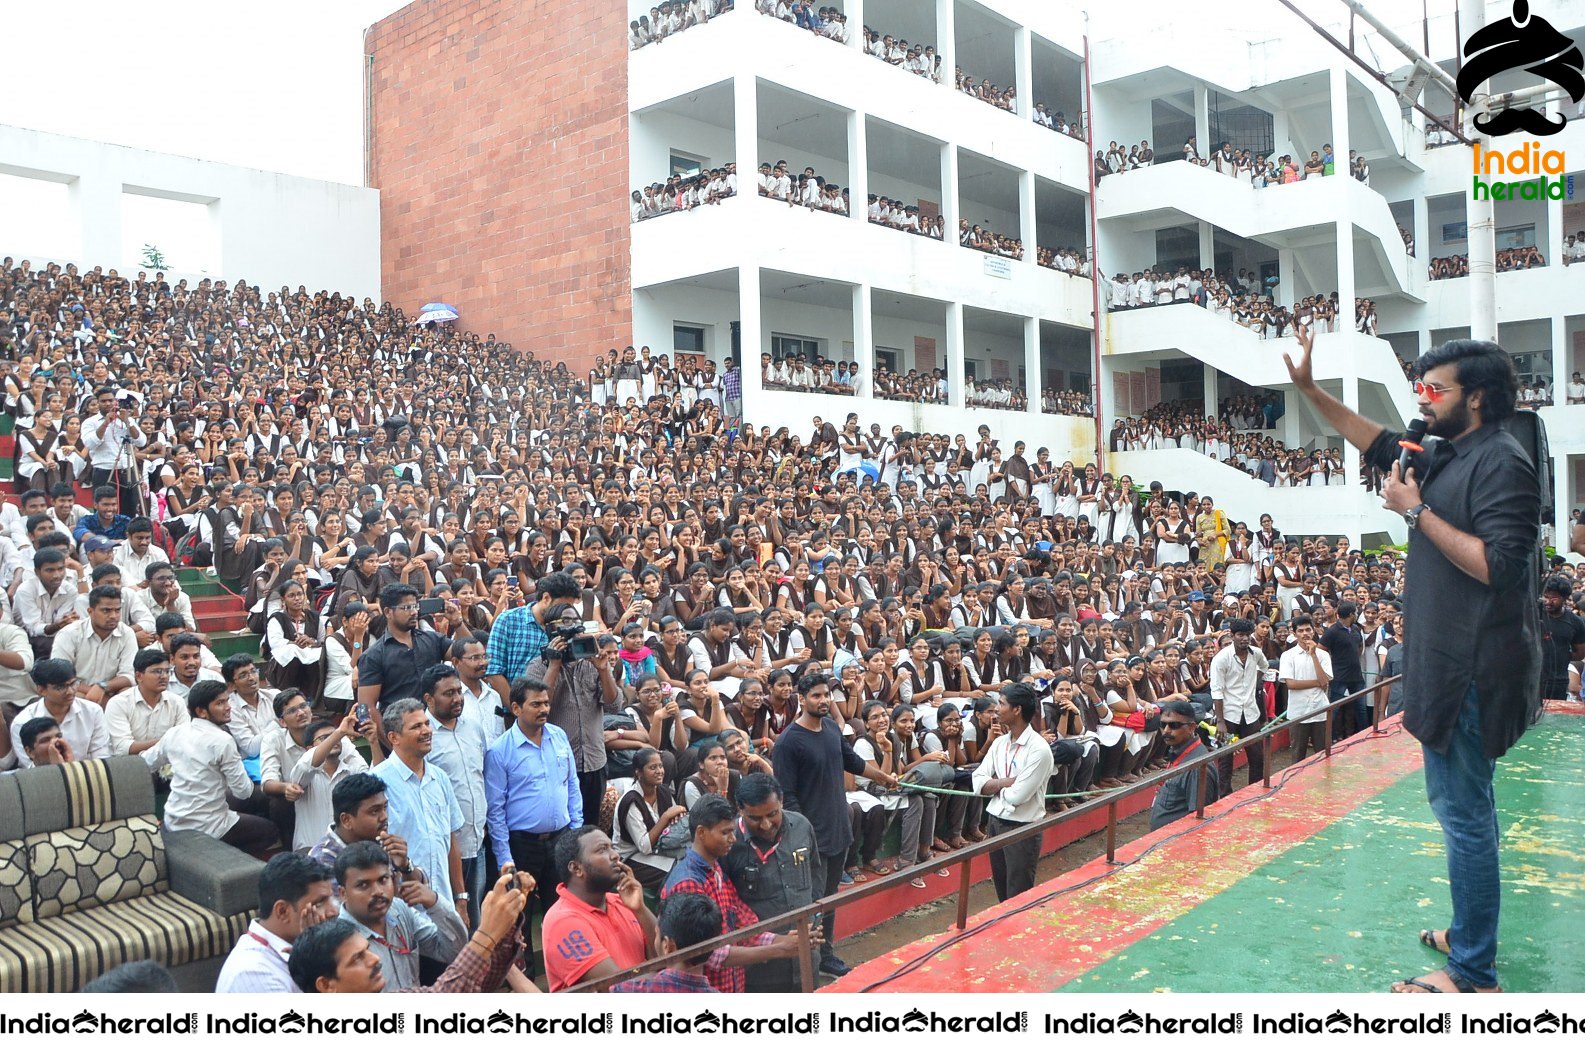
(886,358)
(685,163)
(687,339)
(785,346)
(1516,237)
(970,369)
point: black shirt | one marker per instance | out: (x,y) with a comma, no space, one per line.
(395,667)
(1462,632)
(1344,644)
(809,766)
(1559,635)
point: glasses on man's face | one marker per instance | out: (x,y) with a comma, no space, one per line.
(1434,392)
(411,607)
(1175,725)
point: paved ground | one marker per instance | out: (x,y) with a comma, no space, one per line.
(1322,887)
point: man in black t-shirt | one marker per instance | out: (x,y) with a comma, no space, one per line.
(1562,638)
(811,757)
(1345,642)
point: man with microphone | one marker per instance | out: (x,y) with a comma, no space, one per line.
(1472,657)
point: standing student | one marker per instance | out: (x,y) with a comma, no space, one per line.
(1013,776)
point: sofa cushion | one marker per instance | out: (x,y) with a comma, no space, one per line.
(64,953)
(16,885)
(95,865)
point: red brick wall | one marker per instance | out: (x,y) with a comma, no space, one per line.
(498,141)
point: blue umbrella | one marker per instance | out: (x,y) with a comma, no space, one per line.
(436,312)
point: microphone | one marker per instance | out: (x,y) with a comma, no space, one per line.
(1410,443)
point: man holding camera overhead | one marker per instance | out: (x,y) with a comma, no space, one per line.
(579,670)
(106,436)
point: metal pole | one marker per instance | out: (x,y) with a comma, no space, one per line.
(1408,50)
(963,894)
(1111,833)
(1095,256)
(1328,733)
(1482,230)
(1265,748)
(806,966)
(1199,809)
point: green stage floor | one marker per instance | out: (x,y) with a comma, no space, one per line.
(1323,887)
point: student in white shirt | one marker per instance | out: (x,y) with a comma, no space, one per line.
(295,893)
(1014,773)
(205,768)
(139,717)
(81,722)
(1307,668)
(328,759)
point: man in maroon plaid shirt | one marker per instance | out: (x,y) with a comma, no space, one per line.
(713,822)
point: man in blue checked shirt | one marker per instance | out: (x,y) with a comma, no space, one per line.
(531,790)
(518,635)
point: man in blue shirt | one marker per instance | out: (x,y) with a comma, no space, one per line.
(105,521)
(421,801)
(518,635)
(531,790)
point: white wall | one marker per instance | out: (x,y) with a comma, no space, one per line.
(652,136)
(269,229)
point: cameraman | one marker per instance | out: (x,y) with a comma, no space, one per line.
(518,634)
(582,691)
(109,438)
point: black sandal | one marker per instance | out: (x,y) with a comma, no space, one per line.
(1459,984)
(1428,938)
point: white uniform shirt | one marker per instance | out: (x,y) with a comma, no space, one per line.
(205,766)
(1304,705)
(83,728)
(1028,761)
(1237,684)
(128,718)
(257,964)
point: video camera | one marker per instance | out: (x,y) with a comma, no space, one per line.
(581,645)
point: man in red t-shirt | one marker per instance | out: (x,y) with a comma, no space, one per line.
(599,925)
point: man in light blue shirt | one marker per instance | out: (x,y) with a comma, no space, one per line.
(422,802)
(458,746)
(398,932)
(531,786)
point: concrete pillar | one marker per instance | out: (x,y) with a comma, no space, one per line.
(1422,236)
(1026,214)
(1023,71)
(1562,499)
(1207,246)
(1211,399)
(96,201)
(858,166)
(1202,120)
(1554,228)
(863,339)
(1032,378)
(745,115)
(1340,135)
(1287,293)
(854,10)
(949,191)
(1279,134)
(1561,365)
(946,38)
(1345,343)
(954,325)
(751,340)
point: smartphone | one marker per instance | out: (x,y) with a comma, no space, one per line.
(511,581)
(362,712)
(431,606)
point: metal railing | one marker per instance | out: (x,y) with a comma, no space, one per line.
(798,920)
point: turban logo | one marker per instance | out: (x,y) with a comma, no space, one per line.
(1528,43)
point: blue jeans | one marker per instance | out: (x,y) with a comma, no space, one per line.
(1459,786)
(473,880)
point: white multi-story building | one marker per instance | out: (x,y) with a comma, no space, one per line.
(748,89)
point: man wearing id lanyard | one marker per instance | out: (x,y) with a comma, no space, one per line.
(772,866)
(1014,773)
(400,923)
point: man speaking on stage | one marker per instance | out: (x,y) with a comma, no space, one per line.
(1472,656)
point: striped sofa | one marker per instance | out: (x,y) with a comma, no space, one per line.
(89,880)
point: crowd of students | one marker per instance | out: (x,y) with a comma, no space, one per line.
(1243,300)
(973,235)
(896,215)
(1508,259)
(1257,169)
(822,20)
(432,526)
(669,19)
(681,193)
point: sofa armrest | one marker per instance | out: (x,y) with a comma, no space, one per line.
(208,872)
